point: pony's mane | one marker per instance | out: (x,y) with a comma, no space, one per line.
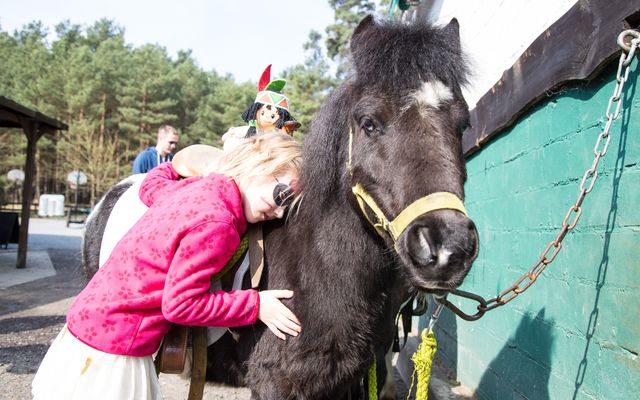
(401,56)
(322,150)
(388,56)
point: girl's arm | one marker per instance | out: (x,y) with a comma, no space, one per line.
(186,299)
(156,183)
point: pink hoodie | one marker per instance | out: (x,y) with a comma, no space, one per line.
(160,270)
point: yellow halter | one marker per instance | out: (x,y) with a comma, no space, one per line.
(432,202)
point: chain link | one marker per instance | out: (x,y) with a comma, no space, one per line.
(586,185)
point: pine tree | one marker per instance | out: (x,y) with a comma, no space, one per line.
(308,84)
(348,13)
(145,102)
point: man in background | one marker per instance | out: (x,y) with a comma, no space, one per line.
(163,152)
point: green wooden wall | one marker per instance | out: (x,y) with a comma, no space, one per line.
(575,334)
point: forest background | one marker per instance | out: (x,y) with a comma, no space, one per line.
(114,96)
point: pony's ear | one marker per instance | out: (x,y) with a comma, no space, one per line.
(365,24)
(452,30)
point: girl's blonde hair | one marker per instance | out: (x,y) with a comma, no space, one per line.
(269,154)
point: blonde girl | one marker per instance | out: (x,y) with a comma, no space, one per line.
(159,273)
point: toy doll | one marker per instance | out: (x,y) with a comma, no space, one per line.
(269,112)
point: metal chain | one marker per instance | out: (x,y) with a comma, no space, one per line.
(575,211)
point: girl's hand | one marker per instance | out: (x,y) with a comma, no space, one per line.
(278,318)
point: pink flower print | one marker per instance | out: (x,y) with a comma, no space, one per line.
(109,326)
(155,253)
(173,280)
(117,346)
(83,314)
(209,245)
(139,272)
(187,251)
(90,332)
(197,200)
(97,280)
(192,269)
(173,215)
(124,275)
(152,236)
(191,214)
(125,255)
(125,292)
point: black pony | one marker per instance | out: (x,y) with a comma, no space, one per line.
(406,113)
(394,128)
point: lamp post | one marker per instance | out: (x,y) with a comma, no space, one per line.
(75,179)
(17,177)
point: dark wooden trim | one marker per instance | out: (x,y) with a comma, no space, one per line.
(9,119)
(576,47)
(11,107)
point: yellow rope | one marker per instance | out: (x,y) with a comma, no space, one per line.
(373,382)
(422,360)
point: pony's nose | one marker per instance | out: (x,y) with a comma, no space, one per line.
(439,245)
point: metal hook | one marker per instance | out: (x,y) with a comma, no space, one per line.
(629,48)
(435,315)
(623,35)
(482,304)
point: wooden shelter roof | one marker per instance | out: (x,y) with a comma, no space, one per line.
(34,124)
(11,114)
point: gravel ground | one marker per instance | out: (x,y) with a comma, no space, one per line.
(32,313)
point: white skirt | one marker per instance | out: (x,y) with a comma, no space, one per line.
(72,370)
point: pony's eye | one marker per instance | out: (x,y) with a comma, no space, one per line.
(368,125)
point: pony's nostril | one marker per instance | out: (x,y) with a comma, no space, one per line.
(421,248)
(475,241)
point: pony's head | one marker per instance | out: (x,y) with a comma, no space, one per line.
(405,122)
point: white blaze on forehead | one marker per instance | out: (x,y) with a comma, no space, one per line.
(432,94)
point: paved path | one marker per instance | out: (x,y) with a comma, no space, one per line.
(34,301)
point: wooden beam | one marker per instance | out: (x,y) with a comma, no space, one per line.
(9,119)
(32,132)
(24,112)
(199,363)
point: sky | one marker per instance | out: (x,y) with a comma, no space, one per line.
(238,37)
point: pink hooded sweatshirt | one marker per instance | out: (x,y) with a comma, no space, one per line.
(160,270)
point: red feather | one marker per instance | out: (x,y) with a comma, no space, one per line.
(265,78)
